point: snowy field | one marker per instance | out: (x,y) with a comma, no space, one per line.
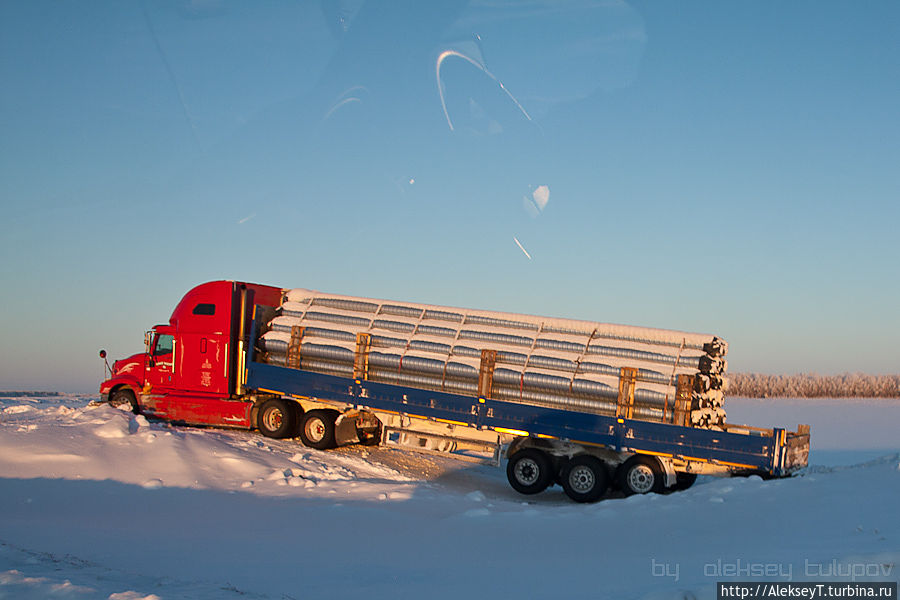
(98,503)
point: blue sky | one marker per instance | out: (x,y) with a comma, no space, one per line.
(729,168)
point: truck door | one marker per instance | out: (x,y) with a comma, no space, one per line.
(203,363)
(161,366)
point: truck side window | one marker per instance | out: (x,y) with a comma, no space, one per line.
(163,345)
(204,309)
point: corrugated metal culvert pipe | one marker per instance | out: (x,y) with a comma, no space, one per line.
(559,363)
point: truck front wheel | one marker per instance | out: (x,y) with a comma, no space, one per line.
(124,398)
(317,429)
(585,479)
(275,419)
(529,471)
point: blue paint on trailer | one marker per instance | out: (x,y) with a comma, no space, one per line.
(755,451)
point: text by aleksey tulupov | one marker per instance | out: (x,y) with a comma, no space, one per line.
(783,571)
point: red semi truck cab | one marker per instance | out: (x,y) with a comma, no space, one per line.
(191,371)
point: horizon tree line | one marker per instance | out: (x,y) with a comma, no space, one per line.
(812,385)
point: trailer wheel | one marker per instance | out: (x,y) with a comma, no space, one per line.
(641,475)
(123,397)
(317,429)
(529,471)
(275,419)
(585,478)
(684,480)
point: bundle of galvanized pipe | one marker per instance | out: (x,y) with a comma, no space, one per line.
(558,363)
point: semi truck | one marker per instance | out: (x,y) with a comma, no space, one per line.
(319,367)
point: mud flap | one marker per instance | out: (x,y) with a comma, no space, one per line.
(345,430)
(669,470)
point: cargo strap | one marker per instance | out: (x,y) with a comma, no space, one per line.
(580,358)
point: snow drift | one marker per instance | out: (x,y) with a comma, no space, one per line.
(99,503)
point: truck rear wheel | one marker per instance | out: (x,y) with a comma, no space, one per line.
(317,429)
(585,478)
(529,471)
(276,419)
(641,475)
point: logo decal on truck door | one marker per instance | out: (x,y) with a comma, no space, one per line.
(205,375)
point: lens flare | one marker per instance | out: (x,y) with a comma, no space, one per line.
(457,54)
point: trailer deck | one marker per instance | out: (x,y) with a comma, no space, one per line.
(771,452)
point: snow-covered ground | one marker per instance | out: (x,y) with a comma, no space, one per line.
(98,503)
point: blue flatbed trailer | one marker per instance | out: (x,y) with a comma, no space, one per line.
(754,452)
(559,434)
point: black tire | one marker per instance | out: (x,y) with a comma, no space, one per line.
(529,471)
(641,475)
(317,429)
(276,418)
(683,481)
(124,397)
(585,478)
